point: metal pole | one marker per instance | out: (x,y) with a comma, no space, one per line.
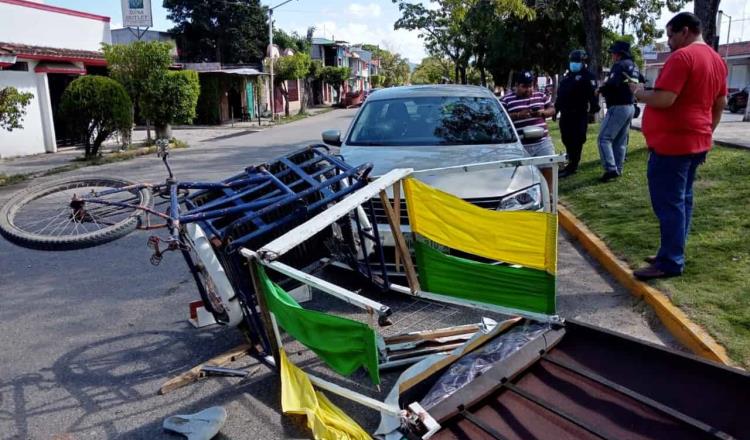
(270,54)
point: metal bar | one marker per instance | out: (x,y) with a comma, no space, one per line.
(327,287)
(708,429)
(201,215)
(555,183)
(475,304)
(509,163)
(549,407)
(293,238)
(479,423)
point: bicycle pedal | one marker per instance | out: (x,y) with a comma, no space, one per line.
(156,259)
(153,242)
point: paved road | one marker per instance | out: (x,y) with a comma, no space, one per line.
(87,337)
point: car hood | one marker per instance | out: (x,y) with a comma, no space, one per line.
(467,185)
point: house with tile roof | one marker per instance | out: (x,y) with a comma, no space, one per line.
(42,49)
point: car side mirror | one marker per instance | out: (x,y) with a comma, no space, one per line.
(531,133)
(332,137)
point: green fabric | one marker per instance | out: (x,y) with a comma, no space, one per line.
(520,288)
(343,344)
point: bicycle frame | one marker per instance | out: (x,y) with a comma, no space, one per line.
(258,178)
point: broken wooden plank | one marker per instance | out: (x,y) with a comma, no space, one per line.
(401,247)
(432,334)
(397,209)
(194,374)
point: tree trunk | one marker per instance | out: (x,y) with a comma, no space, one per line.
(706,10)
(592,24)
(463,75)
(163,131)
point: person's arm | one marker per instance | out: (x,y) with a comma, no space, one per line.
(593,97)
(717,110)
(653,98)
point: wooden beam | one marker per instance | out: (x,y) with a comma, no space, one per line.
(397,209)
(401,247)
(194,374)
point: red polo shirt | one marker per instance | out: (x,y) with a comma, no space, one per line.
(698,75)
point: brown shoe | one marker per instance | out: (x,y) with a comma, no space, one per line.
(651,259)
(652,272)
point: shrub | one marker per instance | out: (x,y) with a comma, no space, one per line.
(174,99)
(13,107)
(96,107)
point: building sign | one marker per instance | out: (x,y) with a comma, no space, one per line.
(136,13)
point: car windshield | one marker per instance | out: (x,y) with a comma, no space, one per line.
(432,120)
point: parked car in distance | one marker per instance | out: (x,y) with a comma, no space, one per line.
(434,126)
(738,100)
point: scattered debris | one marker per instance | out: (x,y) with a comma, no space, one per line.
(202,425)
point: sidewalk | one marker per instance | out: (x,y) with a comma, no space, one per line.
(732,132)
(193,135)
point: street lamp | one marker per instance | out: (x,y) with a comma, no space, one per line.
(729,31)
(270,54)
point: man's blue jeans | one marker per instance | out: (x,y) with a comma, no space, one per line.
(613,136)
(670,183)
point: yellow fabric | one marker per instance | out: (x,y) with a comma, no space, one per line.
(525,238)
(326,420)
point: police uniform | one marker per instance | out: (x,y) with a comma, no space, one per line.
(576,98)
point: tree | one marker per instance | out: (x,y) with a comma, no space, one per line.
(140,67)
(707,10)
(13,107)
(96,107)
(393,67)
(290,68)
(376,80)
(173,101)
(433,70)
(229,32)
(335,76)
(451,28)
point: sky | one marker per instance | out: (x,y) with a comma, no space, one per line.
(370,21)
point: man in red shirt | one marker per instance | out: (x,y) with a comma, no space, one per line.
(681,114)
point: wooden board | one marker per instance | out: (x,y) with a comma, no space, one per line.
(194,374)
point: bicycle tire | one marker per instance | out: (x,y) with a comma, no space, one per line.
(41,241)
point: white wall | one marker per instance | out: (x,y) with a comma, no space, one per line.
(26,25)
(30,139)
(738,76)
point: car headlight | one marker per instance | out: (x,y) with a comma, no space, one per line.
(526,199)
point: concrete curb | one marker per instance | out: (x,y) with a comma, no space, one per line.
(679,325)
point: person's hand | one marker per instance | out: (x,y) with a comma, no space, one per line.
(521,114)
(635,87)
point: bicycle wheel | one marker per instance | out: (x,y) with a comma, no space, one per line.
(65,214)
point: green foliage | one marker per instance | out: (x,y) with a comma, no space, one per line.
(212,88)
(174,100)
(609,37)
(316,69)
(376,80)
(458,28)
(433,70)
(218,30)
(96,107)
(542,45)
(290,41)
(291,67)
(139,66)
(394,68)
(13,107)
(335,76)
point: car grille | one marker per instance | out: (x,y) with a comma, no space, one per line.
(380,216)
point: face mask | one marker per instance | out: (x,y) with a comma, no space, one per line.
(575,67)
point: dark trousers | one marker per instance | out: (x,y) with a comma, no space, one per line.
(670,184)
(573,127)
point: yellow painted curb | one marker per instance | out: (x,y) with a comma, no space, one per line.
(679,325)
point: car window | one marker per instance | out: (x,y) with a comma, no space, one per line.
(432,120)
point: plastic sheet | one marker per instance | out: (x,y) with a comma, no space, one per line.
(474,364)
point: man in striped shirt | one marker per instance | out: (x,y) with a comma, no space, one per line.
(529,108)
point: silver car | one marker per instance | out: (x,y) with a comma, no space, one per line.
(426,127)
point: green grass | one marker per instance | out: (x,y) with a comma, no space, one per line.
(715,287)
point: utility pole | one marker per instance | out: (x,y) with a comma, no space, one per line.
(270,55)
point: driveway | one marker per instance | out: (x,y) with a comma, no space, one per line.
(87,337)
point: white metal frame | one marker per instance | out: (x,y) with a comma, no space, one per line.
(269,253)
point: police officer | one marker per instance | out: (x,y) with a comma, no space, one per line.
(576,99)
(615,128)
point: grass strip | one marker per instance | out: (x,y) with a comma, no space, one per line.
(714,290)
